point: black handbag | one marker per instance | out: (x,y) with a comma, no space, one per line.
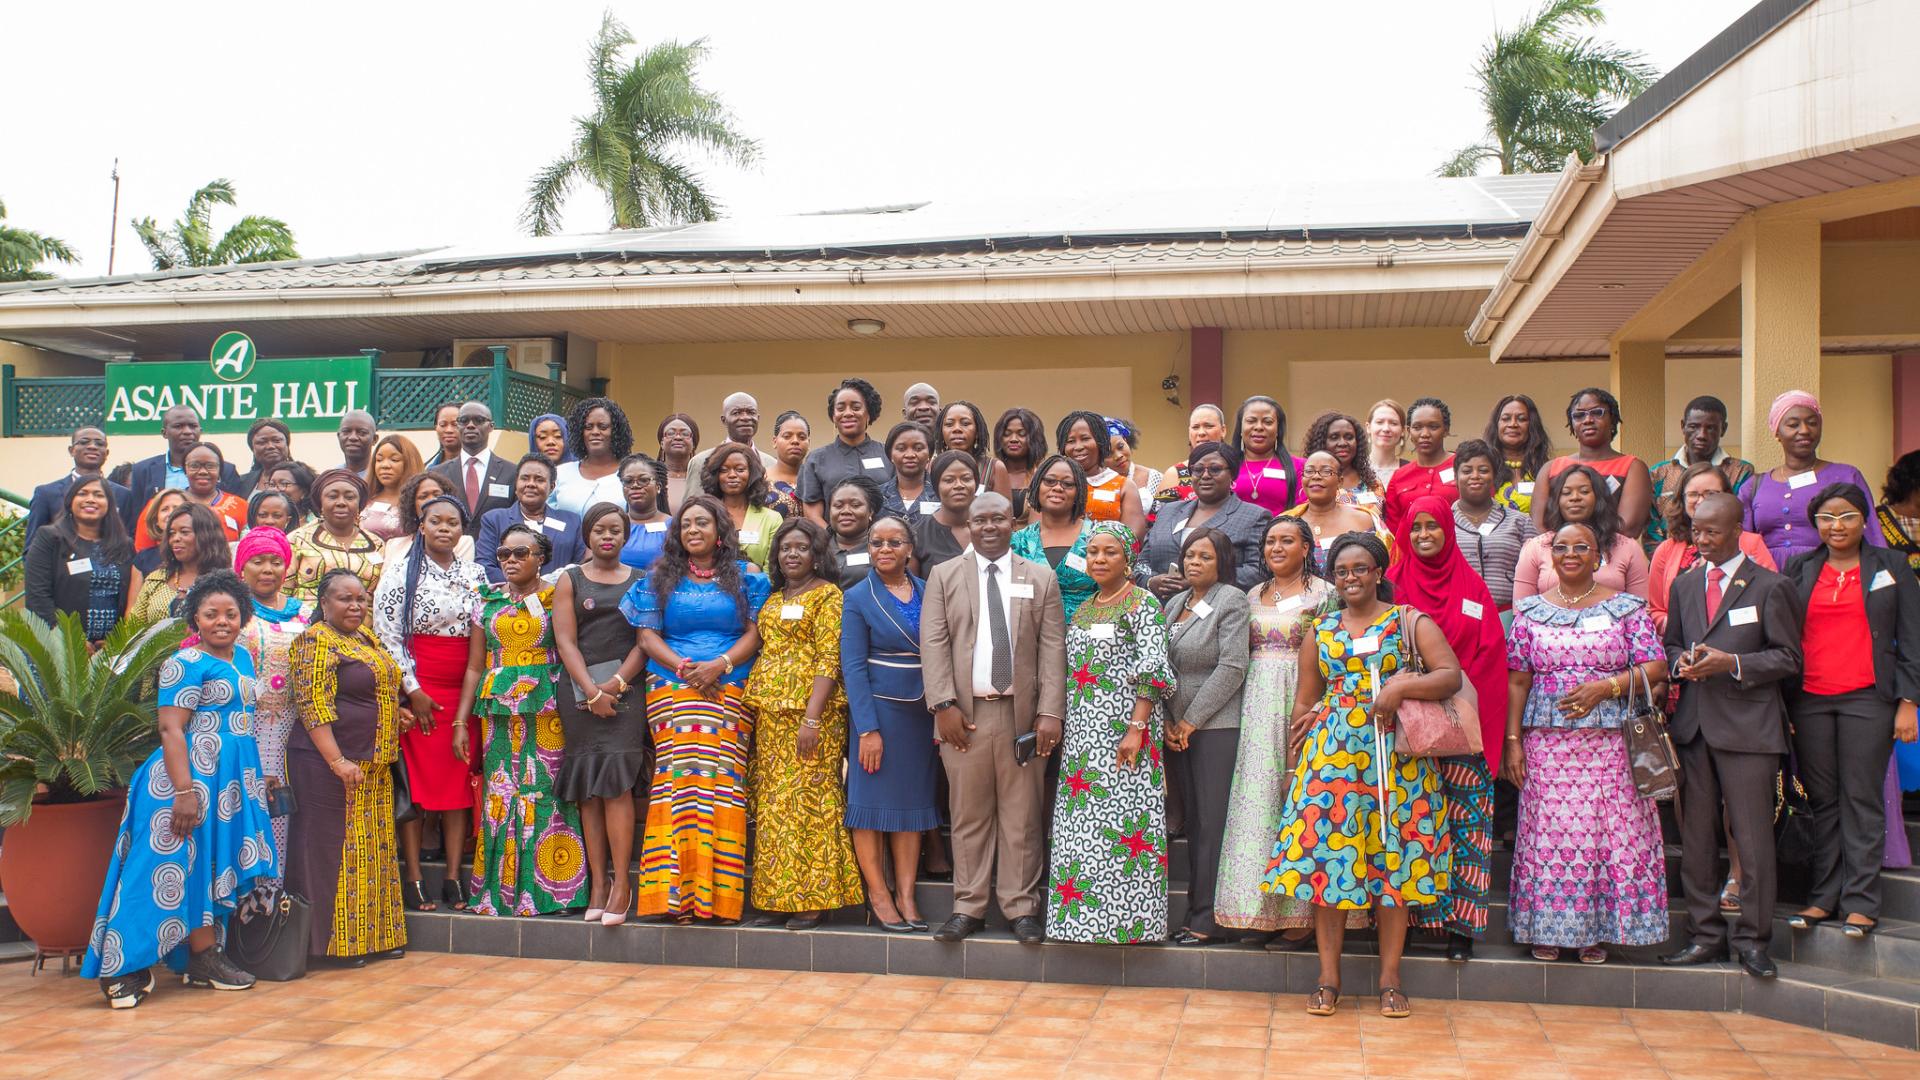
(1794,842)
(269,932)
(404,808)
(1650,752)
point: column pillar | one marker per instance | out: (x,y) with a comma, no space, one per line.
(1207,350)
(1779,326)
(1637,371)
(1906,403)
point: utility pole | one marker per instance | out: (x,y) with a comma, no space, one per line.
(113,234)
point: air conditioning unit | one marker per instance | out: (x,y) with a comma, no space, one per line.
(529,356)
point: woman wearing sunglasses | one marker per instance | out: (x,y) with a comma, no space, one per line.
(1857,694)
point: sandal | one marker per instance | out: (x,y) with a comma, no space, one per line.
(416,894)
(1730,896)
(1393,1003)
(1593,954)
(453,893)
(1323,1001)
(1547,953)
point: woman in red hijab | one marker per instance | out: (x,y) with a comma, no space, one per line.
(1432,577)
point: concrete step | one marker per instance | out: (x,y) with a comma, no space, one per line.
(12,952)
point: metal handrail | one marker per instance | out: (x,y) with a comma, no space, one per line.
(19,521)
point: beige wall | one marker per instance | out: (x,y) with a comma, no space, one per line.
(29,361)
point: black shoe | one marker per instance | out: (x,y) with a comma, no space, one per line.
(810,921)
(1029,930)
(453,893)
(919,926)
(415,893)
(129,990)
(348,962)
(1857,930)
(959,928)
(1280,942)
(1188,937)
(1757,963)
(1695,954)
(901,927)
(211,970)
(390,954)
(1459,948)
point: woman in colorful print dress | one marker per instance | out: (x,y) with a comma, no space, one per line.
(1588,866)
(1341,846)
(335,537)
(261,558)
(1284,611)
(531,859)
(696,612)
(1108,879)
(195,835)
(802,855)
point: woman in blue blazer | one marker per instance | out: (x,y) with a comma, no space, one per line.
(891,780)
(532,483)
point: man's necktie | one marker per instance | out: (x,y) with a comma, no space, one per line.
(473,487)
(1715,576)
(1001,673)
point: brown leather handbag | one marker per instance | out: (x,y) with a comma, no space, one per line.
(1650,752)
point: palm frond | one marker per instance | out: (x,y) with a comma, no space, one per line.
(254,239)
(1467,160)
(545,194)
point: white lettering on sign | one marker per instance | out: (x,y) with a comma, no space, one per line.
(233,401)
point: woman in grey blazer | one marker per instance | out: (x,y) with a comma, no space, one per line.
(1208,644)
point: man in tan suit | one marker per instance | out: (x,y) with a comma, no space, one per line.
(993,650)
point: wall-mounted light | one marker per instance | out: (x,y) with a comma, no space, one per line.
(866,327)
(1171,384)
(1612,286)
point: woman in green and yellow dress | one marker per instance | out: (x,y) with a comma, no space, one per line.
(803,856)
(334,539)
(531,859)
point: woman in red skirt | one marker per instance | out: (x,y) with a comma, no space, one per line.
(423,614)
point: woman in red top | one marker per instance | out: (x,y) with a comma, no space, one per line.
(1860,679)
(1429,421)
(1593,416)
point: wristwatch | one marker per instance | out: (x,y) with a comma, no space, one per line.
(947,704)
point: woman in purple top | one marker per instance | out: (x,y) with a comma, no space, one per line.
(1269,475)
(1776,500)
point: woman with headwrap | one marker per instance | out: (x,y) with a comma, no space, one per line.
(261,558)
(1434,578)
(423,615)
(1108,878)
(334,538)
(1122,441)
(547,436)
(1776,500)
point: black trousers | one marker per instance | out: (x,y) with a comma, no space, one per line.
(1744,782)
(1205,778)
(1841,744)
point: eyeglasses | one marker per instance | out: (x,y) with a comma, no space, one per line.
(507,554)
(474,421)
(1837,519)
(1346,573)
(202,466)
(1056,483)
(1321,472)
(1579,415)
(1207,470)
(1572,549)
(886,545)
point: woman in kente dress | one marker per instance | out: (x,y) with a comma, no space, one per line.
(803,860)
(1108,879)
(342,853)
(194,837)
(531,859)
(261,558)
(1340,847)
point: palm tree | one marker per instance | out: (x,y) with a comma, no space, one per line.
(1546,88)
(646,116)
(21,250)
(190,242)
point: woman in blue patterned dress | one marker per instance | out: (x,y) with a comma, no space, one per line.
(196,835)
(1108,879)
(1341,845)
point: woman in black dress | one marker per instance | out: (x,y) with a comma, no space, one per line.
(942,535)
(605,724)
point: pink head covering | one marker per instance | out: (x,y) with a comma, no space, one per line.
(265,540)
(1792,399)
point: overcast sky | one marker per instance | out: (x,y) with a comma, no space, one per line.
(382,126)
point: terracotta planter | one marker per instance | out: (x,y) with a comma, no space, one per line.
(53,867)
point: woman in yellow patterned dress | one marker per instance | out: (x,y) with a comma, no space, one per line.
(803,856)
(334,539)
(531,859)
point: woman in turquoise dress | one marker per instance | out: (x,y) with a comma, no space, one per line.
(1342,847)
(531,859)
(195,836)
(1058,534)
(1108,879)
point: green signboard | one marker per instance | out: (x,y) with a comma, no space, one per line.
(235,388)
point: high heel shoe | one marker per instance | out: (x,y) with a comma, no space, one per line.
(594,913)
(873,918)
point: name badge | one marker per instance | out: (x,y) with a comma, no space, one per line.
(1183,526)
(790,612)
(1105,496)
(856,558)
(1525,487)
(1596,622)
(1291,603)
(1101,631)
(1326,542)
(1020,590)
(872,463)
(1800,480)
(655,526)
(376,558)
(1076,561)
(749,536)
(1471,609)
(1743,616)
(1485,528)
(551,525)
(980,489)
(231,524)
(498,491)
(1613,484)
(1366,646)
(929,507)
(1274,472)
(1365,498)
(1201,609)
(534,607)
(1446,476)
(85,566)
(1880,580)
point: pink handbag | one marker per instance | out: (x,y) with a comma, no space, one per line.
(1447,728)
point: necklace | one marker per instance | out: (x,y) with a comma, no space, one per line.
(905,587)
(1103,599)
(1566,601)
(701,575)
(1272,595)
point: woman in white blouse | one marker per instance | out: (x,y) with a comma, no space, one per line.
(600,438)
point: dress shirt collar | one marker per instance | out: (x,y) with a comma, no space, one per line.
(1004,562)
(1732,566)
(1719,455)
(480,458)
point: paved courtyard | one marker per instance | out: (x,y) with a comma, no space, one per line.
(434,1015)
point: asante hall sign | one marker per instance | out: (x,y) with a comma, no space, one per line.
(235,387)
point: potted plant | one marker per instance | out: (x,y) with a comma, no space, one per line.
(74,725)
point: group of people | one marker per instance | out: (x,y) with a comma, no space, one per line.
(789,668)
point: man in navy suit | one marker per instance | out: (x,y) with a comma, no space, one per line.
(181,426)
(88,449)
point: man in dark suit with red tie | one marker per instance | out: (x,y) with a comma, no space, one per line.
(1733,637)
(480,478)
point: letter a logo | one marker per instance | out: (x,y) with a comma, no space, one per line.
(233,355)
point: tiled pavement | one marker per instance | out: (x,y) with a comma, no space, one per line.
(434,1015)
